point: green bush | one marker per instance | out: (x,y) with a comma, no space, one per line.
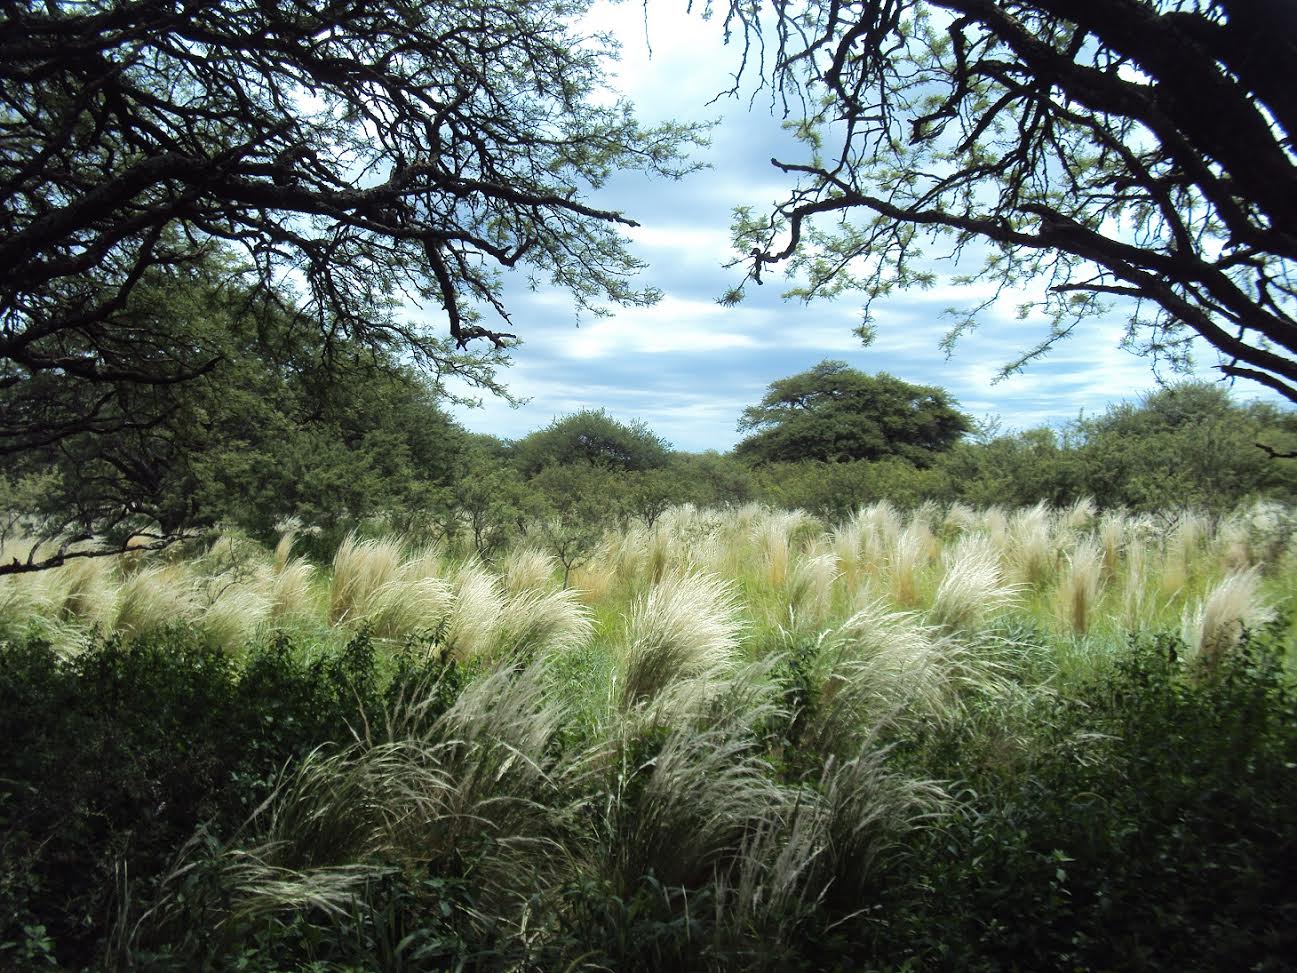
(114,757)
(1142,820)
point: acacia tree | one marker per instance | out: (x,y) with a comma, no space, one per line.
(1136,149)
(369,151)
(593,437)
(835,413)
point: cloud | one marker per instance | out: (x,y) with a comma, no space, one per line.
(688,366)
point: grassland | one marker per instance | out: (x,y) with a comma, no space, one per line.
(741,739)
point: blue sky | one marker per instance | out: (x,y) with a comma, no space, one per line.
(688,366)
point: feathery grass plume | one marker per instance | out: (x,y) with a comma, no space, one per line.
(972,587)
(543,621)
(882,526)
(1136,611)
(1232,548)
(291,591)
(1216,624)
(682,812)
(1079,515)
(374,583)
(773,536)
(474,619)
(810,586)
(763,900)
(284,549)
(154,597)
(1271,528)
(910,554)
(404,606)
(591,582)
(882,666)
(621,554)
(685,628)
(22,596)
(659,556)
(205,905)
(79,591)
(870,809)
(994,523)
(745,517)
(929,513)
(234,614)
(1081,585)
(960,519)
(849,547)
(834,842)
(1114,531)
(427,561)
(501,802)
(1180,550)
(473,788)
(874,667)
(88,594)
(1032,551)
(360,568)
(527,569)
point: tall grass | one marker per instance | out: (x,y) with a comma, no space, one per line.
(1215,624)
(681,635)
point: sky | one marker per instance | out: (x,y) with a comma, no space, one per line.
(688,366)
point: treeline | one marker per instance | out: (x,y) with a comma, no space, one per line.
(260,443)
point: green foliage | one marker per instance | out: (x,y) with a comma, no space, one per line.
(593,437)
(1185,445)
(261,140)
(576,503)
(489,500)
(713,479)
(268,432)
(1016,470)
(115,756)
(1141,819)
(836,413)
(835,490)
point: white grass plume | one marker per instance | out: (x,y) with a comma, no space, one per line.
(910,555)
(527,569)
(1081,585)
(1215,625)
(291,591)
(233,616)
(1032,550)
(551,621)
(360,569)
(685,627)
(154,597)
(810,586)
(972,588)
(474,620)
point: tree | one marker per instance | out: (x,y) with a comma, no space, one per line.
(1185,445)
(593,437)
(578,503)
(373,152)
(266,434)
(835,413)
(1141,150)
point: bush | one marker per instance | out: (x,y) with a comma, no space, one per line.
(114,757)
(1141,821)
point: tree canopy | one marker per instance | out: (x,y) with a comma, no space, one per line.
(365,153)
(836,413)
(1086,150)
(592,437)
(266,434)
